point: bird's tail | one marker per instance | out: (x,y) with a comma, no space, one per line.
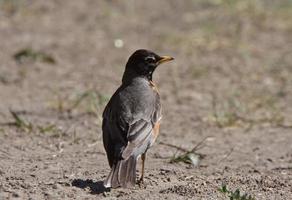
(123,174)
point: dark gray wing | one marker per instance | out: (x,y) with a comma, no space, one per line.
(141,133)
(139,138)
(113,129)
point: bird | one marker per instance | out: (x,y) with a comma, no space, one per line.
(131,119)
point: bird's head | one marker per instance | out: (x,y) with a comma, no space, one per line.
(143,62)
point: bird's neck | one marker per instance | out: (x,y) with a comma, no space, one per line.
(130,75)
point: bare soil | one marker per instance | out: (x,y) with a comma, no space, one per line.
(230,84)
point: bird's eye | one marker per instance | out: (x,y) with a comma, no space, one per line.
(150,59)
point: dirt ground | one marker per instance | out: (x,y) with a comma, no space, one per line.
(228,88)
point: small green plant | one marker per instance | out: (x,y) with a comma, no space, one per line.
(234,195)
(21,123)
(233,113)
(10,6)
(33,55)
(27,126)
(189,156)
(226,114)
(89,101)
(94,100)
(49,128)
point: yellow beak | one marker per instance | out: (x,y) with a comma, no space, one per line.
(164,59)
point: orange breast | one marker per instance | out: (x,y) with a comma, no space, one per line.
(156,130)
(153,86)
(157,124)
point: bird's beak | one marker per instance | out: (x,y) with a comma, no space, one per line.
(164,59)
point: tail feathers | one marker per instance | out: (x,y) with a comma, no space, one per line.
(123,174)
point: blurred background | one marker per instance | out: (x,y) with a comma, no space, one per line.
(229,86)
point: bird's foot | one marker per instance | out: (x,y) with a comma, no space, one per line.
(141,183)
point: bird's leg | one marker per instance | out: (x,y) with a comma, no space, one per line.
(143,157)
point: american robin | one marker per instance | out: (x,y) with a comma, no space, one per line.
(131,119)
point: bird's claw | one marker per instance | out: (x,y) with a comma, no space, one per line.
(141,184)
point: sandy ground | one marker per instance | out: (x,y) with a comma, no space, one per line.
(230,85)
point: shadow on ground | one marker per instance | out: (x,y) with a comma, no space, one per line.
(95,187)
